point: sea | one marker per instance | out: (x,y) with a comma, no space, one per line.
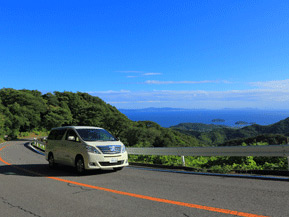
(167,117)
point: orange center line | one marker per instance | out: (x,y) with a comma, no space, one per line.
(1,158)
(195,206)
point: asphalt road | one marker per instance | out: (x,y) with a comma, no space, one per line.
(29,188)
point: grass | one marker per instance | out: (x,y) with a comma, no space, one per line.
(217,163)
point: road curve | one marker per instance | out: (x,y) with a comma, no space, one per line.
(30,188)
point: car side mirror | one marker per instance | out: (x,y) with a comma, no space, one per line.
(71,138)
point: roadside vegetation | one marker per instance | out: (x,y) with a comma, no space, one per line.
(29,114)
(217,164)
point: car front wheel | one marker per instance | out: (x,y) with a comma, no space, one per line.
(51,161)
(79,165)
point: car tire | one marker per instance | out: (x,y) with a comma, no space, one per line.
(79,166)
(51,161)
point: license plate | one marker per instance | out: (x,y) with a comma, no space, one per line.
(113,160)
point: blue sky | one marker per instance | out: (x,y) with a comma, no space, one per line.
(153,53)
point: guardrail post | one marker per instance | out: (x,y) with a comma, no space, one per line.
(184,161)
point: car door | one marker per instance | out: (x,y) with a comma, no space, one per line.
(71,147)
(58,145)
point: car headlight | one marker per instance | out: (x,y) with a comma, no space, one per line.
(123,149)
(91,149)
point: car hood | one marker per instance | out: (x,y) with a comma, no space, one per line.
(104,143)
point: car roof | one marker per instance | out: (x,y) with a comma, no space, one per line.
(76,127)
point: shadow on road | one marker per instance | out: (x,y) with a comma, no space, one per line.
(42,170)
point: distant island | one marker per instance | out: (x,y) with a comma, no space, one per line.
(241,123)
(244,123)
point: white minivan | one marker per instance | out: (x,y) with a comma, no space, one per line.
(85,148)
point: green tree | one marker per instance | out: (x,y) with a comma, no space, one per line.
(89,116)
(116,124)
(57,116)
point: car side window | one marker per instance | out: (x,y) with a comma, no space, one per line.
(71,136)
(56,134)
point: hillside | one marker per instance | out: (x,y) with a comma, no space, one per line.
(29,110)
(199,127)
(224,135)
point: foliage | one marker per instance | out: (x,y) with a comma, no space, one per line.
(272,139)
(23,111)
(199,127)
(273,134)
(216,164)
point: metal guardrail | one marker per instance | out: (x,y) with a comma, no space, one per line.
(261,151)
(264,151)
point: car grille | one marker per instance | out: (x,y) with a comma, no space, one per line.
(110,149)
(111,164)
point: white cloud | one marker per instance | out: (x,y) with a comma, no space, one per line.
(277,84)
(270,94)
(255,98)
(183,82)
(151,73)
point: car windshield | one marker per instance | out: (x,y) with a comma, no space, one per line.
(95,135)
